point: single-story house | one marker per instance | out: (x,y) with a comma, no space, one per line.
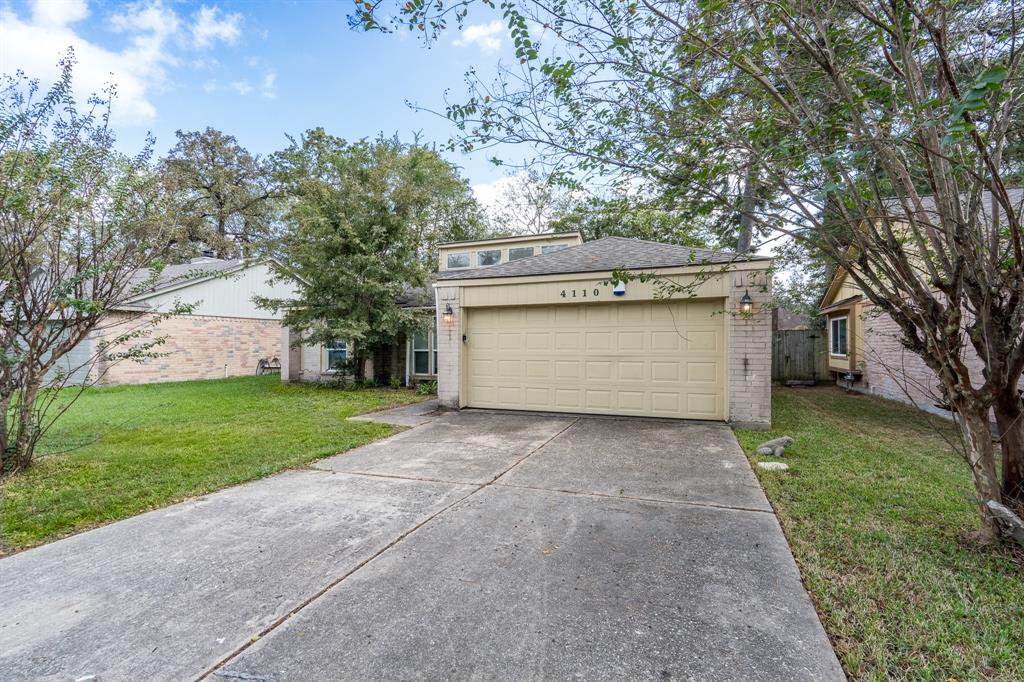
(533,323)
(225,335)
(865,349)
(524,327)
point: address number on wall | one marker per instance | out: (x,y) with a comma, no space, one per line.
(580,293)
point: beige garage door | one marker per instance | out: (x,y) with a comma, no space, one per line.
(657,359)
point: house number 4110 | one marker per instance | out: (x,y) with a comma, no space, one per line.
(579,293)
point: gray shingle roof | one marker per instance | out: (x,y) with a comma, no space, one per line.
(602,255)
(1016,196)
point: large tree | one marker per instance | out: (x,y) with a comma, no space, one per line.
(362,222)
(78,221)
(223,194)
(883,134)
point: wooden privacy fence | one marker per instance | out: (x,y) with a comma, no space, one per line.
(799,355)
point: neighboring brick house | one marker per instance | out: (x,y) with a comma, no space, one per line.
(225,335)
(865,351)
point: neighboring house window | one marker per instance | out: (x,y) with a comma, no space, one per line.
(489,257)
(837,336)
(552,248)
(458,260)
(424,352)
(520,252)
(336,355)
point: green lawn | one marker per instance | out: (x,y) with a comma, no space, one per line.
(123,450)
(875,505)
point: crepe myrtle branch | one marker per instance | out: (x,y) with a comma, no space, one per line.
(666,287)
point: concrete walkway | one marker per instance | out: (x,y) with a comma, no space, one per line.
(475,545)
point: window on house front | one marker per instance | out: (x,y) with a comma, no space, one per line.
(837,336)
(551,248)
(421,352)
(335,355)
(489,257)
(458,260)
(520,252)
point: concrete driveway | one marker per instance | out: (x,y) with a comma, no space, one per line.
(473,546)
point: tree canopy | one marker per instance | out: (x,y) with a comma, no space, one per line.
(363,219)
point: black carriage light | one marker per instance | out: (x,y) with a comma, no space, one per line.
(448,315)
(746,303)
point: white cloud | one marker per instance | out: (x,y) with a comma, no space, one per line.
(242,87)
(490,195)
(485,36)
(211,25)
(269,81)
(211,85)
(33,44)
(59,12)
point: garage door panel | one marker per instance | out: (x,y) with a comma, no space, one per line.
(621,358)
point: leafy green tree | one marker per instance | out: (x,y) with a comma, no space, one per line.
(78,222)
(362,219)
(626,216)
(881,134)
(223,194)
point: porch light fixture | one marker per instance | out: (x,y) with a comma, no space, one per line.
(448,315)
(746,303)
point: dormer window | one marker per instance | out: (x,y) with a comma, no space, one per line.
(488,257)
(551,248)
(458,260)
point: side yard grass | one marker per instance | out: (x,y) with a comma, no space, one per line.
(123,450)
(874,506)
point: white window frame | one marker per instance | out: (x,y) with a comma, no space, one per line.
(832,336)
(469,260)
(325,364)
(430,350)
(481,252)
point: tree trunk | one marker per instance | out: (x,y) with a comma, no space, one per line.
(748,203)
(1009,412)
(25,437)
(980,454)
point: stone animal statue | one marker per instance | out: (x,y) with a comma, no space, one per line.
(775,447)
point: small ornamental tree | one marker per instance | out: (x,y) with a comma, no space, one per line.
(78,220)
(360,219)
(884,135)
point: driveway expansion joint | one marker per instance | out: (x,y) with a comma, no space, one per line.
(213,670)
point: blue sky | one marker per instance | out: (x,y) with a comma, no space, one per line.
(256,70)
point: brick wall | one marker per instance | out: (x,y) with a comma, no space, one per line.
(196,347)
(750,352)
(449,347)
(891,371)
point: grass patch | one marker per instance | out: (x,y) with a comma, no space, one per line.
(123,450)
(874,506)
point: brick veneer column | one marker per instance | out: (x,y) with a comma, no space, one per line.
(750,353)
(449,347)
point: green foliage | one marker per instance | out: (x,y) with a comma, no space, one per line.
(624,216)
(222,194)
(358,216)
(124,450)
(426,388)
(874,506)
